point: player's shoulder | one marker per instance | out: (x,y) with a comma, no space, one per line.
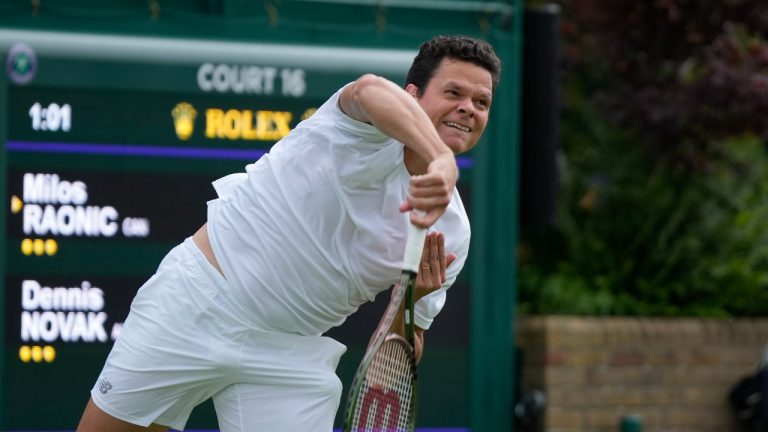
(329,109)
(332,118)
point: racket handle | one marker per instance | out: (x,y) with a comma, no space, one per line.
(414,246)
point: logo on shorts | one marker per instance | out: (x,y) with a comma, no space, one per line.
(104,386)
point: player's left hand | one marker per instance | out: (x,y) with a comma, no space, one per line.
(434,262)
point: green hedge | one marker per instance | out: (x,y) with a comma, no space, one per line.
(663,206)
(642,238)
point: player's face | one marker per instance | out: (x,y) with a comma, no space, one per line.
(457,99)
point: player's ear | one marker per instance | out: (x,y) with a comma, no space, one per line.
(412,90)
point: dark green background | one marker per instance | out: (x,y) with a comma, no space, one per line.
(171,193)
(153,48)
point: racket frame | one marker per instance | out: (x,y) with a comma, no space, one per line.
(401,291)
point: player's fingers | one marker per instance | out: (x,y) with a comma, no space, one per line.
(425,264)
(426,219)
(435,258)
(425,192)
(425,199)
(449,259)
(429,210)
(430,267)
(425,216)
(428,203)
(405,206)
(424,179)
(425,251)
(441,254)
(430,179)
(430,191)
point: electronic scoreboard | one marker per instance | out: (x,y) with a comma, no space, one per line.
(110,144)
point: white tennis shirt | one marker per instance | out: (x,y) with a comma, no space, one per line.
(312,230)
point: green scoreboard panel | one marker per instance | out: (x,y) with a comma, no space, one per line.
(109,146)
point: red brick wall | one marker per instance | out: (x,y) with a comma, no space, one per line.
(675,373)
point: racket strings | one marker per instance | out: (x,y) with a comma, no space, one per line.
(384,402)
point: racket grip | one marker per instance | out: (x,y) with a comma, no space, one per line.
(414,246)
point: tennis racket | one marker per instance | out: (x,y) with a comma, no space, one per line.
(382,397)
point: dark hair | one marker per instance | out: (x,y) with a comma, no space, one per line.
(463,48)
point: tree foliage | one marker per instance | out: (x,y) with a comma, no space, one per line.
(688,74)
(664,200)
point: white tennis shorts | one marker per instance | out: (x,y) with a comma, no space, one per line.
(185,341)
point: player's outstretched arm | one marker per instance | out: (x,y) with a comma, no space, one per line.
(395,112)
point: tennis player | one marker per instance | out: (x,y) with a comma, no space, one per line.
(293,246)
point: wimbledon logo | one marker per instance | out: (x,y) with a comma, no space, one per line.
(21,64)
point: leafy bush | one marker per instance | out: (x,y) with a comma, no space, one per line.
(641,239)
(664,199)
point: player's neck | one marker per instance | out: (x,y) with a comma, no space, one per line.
(413,162)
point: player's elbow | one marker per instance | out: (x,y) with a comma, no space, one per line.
(364,94)
(367,82)
(368,88)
